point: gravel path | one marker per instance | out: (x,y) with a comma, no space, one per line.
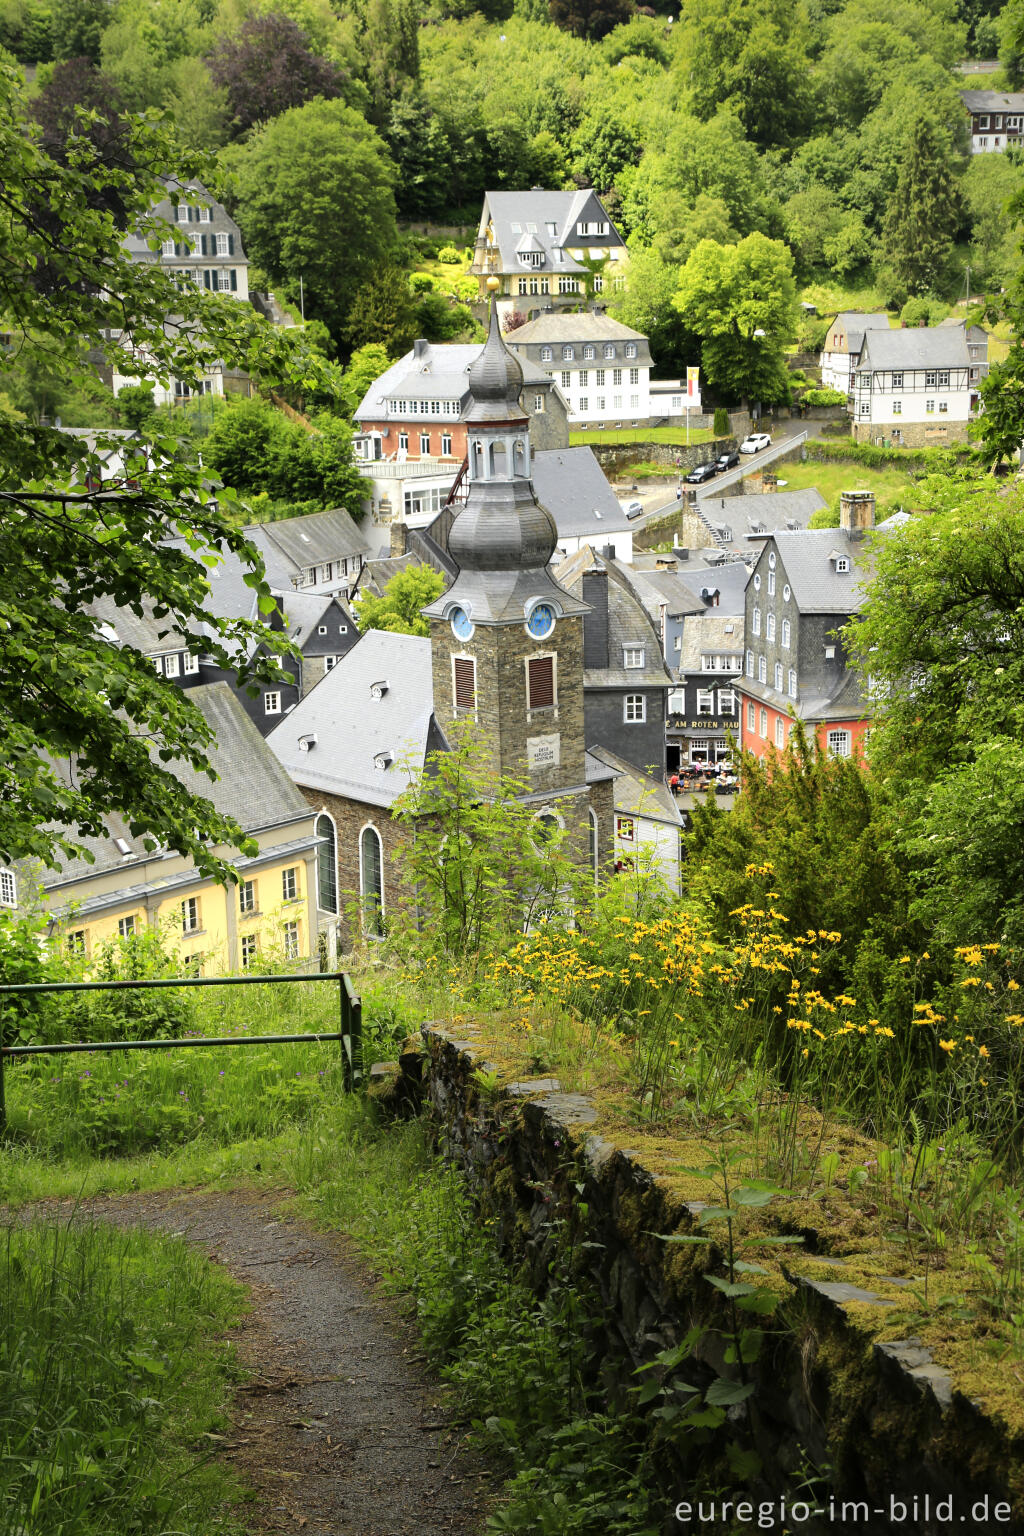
(340,1429)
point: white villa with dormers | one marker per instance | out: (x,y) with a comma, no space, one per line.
(912,387)
(602,367)
(548,250)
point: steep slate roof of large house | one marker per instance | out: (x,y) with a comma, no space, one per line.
(220,222)
(810,569)
(916,346)
(251,786)
(432,372)
(666,590)
(573,487)
(539,207)
(354,730)
(572,325)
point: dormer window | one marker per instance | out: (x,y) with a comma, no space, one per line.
(545,354)
(567,354)
(631,349)
(609,350)
(632,655)
(842,564)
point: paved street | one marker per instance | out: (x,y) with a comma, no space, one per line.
(661,500)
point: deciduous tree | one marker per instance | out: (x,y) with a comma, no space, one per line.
(398,607)
(741,300)
(314,191)
(68,692)
(268,67)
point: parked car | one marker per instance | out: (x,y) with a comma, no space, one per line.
(727,460)
(632,508)
(755,442)
(701,473)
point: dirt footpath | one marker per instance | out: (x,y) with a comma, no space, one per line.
(339,1430)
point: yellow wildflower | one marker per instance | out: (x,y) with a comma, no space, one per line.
(947,1045)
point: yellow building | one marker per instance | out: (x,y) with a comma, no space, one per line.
(279,908)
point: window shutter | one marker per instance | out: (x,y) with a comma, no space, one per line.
(177,250)
(542,682)
(191,214)
(231,245)
(202,245)
(207,275)
(465,682)
(234,281)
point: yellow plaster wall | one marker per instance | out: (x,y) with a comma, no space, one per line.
(217,941)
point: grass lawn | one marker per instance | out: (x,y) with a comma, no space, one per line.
(831,298)
(889,484)
(676,436)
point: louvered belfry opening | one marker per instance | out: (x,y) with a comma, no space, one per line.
(542,682)
(465,682)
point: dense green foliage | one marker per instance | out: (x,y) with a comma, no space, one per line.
(113,1369)
(67,688)
(398,607)
(836,129)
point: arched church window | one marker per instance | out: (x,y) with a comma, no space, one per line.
(498,461)
(327,864)
(520,457)
(371,880)
(478,465)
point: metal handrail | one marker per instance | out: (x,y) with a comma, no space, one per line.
(348,1035)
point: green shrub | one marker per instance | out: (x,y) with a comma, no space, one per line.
(823,397)
(449,256)
(722,425)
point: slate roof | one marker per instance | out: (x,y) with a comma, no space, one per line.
(540,207)
(573,487)
(742,516)
(628,624)
(710,631)
(432,372)
(376,574)
(668,590)
(220,222)
(573,325)
(916,346)
(309,540)
(251,786)
(855,323)
(639,794)
(353,728)
(993,101)
(817,586)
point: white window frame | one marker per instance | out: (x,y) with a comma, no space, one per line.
(290,934)
(126,926)
(290,883)
(8,888)
(792,682)
(249,950)
(839,743)
(272,703)
(634,709)
(190,915)
(633,656)
(247,897)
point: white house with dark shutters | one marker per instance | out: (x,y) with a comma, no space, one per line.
(205,249)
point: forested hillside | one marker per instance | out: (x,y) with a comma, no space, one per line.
(834,128)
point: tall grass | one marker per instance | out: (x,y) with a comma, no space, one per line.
(110,1374)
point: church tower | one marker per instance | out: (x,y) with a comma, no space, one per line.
(506,639)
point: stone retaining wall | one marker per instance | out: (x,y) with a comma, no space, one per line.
(870,1421)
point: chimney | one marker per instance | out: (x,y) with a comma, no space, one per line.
(399,540)
(595,623)
(856,513)
(420,348)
